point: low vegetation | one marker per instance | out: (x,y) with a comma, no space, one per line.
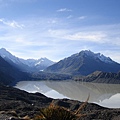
(54,112)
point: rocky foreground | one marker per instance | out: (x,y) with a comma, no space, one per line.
(16,104)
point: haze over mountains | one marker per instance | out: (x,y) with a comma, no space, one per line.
(14,69)
(9,73)
(29,65)
(84,63)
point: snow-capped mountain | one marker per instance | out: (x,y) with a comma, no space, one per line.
(39,64)
(98,56)
(84,63)
(7,55)
(29,65)
(35,62)
(9,74)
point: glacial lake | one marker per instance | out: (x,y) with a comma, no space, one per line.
(107,95)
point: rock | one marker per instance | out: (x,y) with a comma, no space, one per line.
(17,104)
(101,77)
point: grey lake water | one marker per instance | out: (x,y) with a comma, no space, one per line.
(107,95)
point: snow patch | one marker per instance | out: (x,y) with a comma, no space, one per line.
(99,56)
(38,63)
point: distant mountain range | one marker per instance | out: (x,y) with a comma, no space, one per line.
(9,73)
(84,63)
(29,65)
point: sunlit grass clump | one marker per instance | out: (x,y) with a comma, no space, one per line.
(54,112)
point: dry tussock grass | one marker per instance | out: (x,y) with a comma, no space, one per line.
(54,112)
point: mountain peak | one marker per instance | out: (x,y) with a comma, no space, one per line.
(25,65)
(84,63)
(4,53)
(87,52)
(3,49)
(99,56)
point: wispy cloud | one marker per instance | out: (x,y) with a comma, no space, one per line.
(64,10)
(82,17)
(13,24)
(96,36)
(52,21)
(54,38)
(87,36)
(90,35)
(70,16)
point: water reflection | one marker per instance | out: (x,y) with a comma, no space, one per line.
(107,95)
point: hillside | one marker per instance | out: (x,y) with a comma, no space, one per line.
(101,77)
(9,74)
(84,63)
(25,65)
(17,104)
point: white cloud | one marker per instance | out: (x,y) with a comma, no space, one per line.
(13,24)
(87,36)
(64,10)
(54,37)
(52,21)
(70,16)
(55,32)
(82,17)
(95,36)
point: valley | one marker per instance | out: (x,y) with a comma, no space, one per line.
(26,86)
(84,66)
(59,60)
(106,95)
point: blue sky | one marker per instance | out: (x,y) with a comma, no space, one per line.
(59,28)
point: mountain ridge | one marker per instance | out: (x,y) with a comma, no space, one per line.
(9,74)
(84,63)
(101,77)
(29,65)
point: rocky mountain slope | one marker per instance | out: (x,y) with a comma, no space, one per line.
(12,69)
(9,73)
(84,63)
(101,77)
(29,65)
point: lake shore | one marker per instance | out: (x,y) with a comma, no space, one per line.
(17,104)
(106,95)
